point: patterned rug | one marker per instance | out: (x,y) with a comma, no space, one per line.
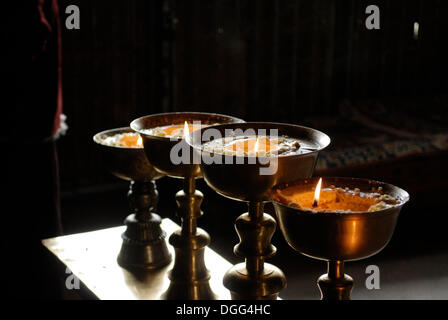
(366,132)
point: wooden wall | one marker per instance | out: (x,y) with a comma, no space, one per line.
(113,72)
(278,60)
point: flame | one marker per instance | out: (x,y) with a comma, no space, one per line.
(257,143)
(317,193)
(139,142)
(186,130)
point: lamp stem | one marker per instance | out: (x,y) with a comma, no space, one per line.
(335,285)
(189,222)
(255,279)
(189,276)
(256,210)
(335,269)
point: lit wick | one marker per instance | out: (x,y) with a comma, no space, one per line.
(186,129)
(256,146)
(317,193)
(139,142)
(186,132)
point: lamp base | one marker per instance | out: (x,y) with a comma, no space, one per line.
(264,286)
(144,245)
(189,276)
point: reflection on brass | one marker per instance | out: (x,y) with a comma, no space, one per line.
(335,285)
(254,279)
(158,149)
(189,276)
(242,181)
(144,245)
(339,237)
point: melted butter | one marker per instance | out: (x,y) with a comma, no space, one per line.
(129,141)
(250,145)
(335,200)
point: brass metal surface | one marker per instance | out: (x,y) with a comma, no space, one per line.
(189,276)
(335,284)
(158,148)
(91,257)
(144,245)
(337,237)
(242,181)
(128,164)
(255,279)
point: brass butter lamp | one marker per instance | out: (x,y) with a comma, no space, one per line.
(338,237)
(189,278)
(144,245)
(242,181)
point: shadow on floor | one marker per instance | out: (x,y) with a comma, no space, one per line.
(413,266)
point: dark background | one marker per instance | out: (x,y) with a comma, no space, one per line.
(259,60)
(295,61)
